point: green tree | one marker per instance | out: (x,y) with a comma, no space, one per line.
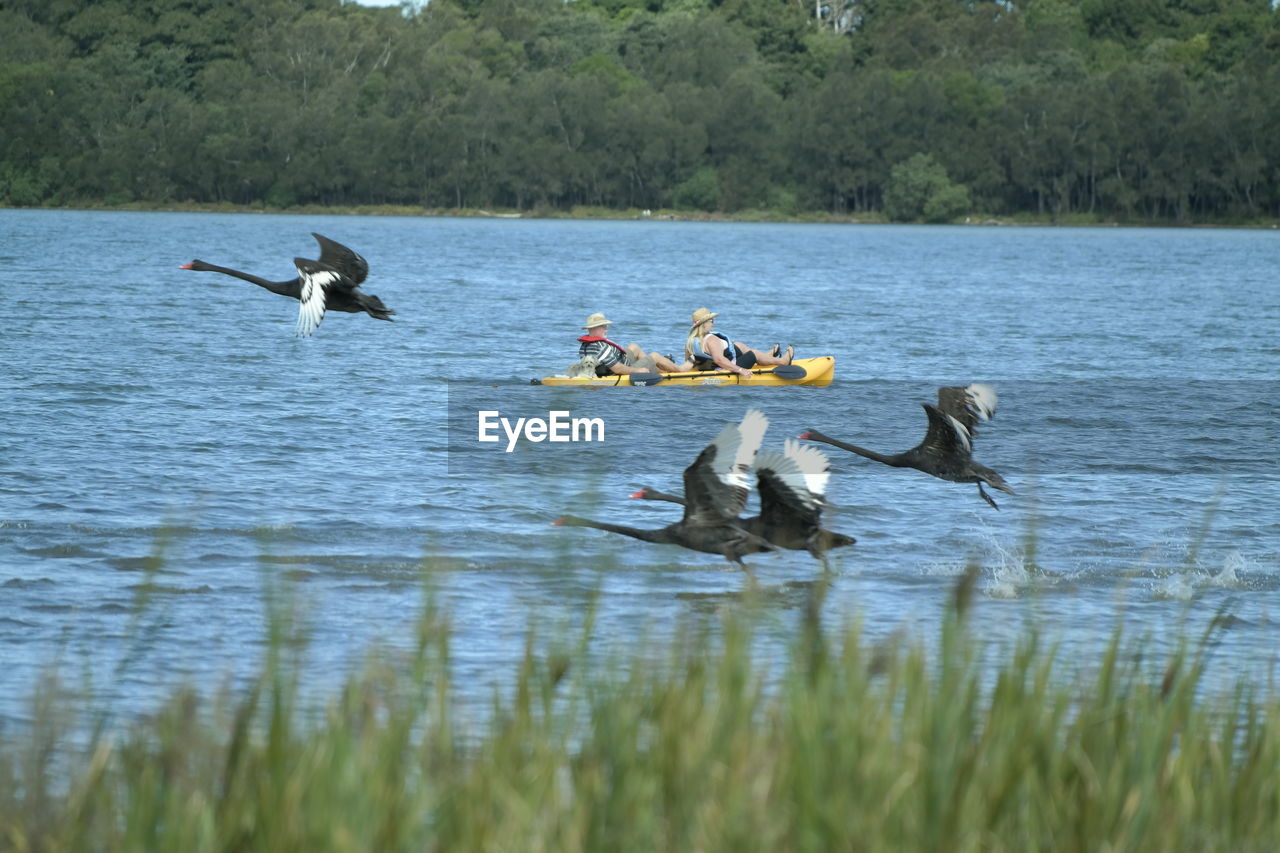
(919,189)
(700,192)
(1161,110)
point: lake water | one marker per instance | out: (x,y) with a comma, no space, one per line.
(151,411)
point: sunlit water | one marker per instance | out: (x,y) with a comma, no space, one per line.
(148,411)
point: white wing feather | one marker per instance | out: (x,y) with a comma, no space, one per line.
(812,463)
(736,448)
(962,433)
(751,435)
(802,470)
(982,399)
(311,300)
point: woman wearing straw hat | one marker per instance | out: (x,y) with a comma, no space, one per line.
(708,349)
(612,358)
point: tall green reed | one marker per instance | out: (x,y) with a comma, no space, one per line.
(696,742)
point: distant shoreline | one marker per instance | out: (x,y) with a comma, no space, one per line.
(633,214)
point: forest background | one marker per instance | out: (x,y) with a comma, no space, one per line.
(1164,111)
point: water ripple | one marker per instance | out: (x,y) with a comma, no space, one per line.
(227,457)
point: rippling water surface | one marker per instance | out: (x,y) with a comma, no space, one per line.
(150,412)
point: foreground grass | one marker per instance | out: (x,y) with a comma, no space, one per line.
(697,745)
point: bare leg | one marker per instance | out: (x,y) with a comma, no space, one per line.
(764,357)
(666,365)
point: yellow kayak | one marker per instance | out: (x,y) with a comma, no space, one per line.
(802,371)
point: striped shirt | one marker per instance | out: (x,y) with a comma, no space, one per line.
(606,354)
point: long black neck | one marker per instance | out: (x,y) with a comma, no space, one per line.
(285,288)
(897,460)
(662,534)
(655,495)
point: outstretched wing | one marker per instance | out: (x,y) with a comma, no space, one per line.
(716,485)
(968,404)
(316,278)
(342,259)
(947,437)
(792,483)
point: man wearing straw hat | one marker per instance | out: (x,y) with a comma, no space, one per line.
(611,358)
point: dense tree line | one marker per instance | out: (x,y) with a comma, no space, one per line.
(1162,110)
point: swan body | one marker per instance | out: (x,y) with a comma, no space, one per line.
(330,284)
(947,449)
(716,485)
(792,486)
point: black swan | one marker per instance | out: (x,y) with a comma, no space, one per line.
(716,484)
(947,449)
(330,284)
(792,486)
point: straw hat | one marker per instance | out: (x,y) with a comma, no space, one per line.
(596,320)
(702,315)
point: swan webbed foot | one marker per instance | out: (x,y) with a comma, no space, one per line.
(986,497)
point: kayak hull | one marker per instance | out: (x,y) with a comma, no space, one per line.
(818,371)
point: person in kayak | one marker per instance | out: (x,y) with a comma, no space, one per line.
(611,358)
(707,349)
